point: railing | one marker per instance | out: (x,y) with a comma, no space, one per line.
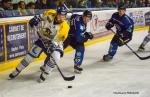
(31,12)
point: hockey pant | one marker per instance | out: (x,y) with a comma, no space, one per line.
(51,59)
(146,40)
(79,47)
(115,43)
(33,53)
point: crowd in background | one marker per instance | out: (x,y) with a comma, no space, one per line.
(21,8)
(107,3)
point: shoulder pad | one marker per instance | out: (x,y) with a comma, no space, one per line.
(115,14)
(74,16)
(49,12)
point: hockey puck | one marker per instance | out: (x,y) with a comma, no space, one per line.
(69,86)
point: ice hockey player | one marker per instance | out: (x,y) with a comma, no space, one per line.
(145,41)
(78,36)
(54,32)
(124,29)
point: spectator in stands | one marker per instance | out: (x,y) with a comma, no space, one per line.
(42,4)
(89,4)
(15,6)
(60,3)
(6,8)
(52,4)
(127,4)
(31,8)
(6,4)
(103,4)
(114,5)
(146,3)
(22,8)
(0,3)
(95,3)
(72,3)
(110,4)
(140,3)
(82,3)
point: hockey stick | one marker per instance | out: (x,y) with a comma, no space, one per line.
(64,77)
(141,58)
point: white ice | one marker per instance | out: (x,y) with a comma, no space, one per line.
(124,76)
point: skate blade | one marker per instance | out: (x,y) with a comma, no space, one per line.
(77,72)
(40,81)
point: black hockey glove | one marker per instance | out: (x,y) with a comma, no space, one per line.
(109,25)
(88,35)
(35,21)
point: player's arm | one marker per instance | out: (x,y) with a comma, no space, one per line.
(80,36)
(35,20)
(110,23)
(47,15)
(78,32)
(63,31)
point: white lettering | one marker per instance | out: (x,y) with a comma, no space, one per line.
(20,53)
(16,28)
(14,49)
(16,36)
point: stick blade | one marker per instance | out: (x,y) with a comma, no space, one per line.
(144,58)
(69,78)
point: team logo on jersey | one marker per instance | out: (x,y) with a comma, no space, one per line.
(82,27)
(118,27)
(77,60)
(78,54)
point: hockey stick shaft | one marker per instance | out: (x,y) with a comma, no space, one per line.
(141,58)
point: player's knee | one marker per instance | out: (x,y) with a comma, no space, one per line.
(35,51)
(25,62)
(148,36)
(29,58)
(56,56)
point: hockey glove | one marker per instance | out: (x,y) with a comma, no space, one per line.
(35,21)
(109,25)
(88,35)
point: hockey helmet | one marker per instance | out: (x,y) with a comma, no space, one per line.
(61,10)
(87,13)
(121,7)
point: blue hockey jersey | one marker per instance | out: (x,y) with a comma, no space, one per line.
(77,27)
(122,23)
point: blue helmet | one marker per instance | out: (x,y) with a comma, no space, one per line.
(61,10)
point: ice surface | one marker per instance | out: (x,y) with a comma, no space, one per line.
(124,76)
